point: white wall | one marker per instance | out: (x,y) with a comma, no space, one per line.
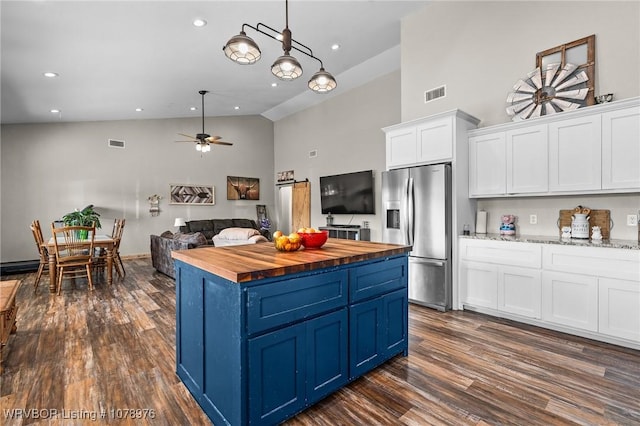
(345,131)
(51,169)
(480,49)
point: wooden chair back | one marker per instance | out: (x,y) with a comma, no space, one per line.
(69,244)
(36,230)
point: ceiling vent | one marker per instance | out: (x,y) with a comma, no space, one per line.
(116,144)
(433,94)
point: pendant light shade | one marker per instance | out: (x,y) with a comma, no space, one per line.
(286,67)
(322,82)
(242,49)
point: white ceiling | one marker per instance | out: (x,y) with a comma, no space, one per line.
(115,56)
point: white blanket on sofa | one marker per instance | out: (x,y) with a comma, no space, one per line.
(237,236)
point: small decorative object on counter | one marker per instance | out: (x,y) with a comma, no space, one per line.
(481,222)
(508,226)
(596,235)
(566,233)
(466,230)
(580,222)
(329,219)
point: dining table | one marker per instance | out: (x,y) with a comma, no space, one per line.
(100,241)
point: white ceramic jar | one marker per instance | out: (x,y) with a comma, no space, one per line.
(580,226)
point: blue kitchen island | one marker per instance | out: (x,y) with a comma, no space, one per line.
(261,334)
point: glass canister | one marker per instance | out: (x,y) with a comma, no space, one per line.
(580,226)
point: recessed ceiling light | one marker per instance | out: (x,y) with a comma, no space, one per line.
(139,110)
(335,46)
(50,74)
(193,108)
(55,111)
(236,107)
(274,84)
(199,22)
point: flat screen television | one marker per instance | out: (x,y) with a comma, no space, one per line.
(348,193)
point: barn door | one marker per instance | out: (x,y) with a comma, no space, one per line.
(301,205)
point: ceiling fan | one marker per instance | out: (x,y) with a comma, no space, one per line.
(203,139)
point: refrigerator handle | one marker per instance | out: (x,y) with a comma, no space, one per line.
(410,212)
(404,208)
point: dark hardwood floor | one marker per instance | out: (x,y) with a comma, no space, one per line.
(113,350)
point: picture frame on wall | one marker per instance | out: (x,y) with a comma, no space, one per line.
(285,177)
(193,195)
(243,188)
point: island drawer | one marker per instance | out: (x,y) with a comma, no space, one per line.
(285,302)
(377,278)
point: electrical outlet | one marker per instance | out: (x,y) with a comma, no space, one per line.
(632,220)
(533,219)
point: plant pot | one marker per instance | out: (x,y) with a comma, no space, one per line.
(83,234)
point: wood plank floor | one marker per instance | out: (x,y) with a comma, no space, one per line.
(114,348)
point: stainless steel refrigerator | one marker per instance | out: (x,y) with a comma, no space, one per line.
(416,206)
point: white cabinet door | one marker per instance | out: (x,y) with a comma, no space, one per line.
(619,313)
(401,147)
(570,300)
(487,165)
(527,160)
(621,149)
(519,291)
(575,156)
(435,140)
(479,282)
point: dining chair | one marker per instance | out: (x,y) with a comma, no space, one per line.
(74,253)
(36,230)
(100,259)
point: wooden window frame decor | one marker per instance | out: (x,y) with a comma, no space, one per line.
(190,194)
(589,65)
(243,188)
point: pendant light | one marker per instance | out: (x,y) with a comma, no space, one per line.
(243,50)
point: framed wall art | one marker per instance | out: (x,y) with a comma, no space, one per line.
(285,177)
(199,195)
(243,188)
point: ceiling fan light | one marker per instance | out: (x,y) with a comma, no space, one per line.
(198,147)
(286,67)
(322,82)
(242,49)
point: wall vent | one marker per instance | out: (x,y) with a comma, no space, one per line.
(313,153)
(116,144)
(433,94)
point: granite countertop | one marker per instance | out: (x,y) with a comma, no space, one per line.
(545,239)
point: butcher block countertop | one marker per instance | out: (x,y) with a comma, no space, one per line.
(251,262)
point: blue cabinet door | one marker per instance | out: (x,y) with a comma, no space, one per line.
(327,345)
(291,368)
(377,331)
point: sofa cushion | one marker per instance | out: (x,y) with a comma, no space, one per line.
(238,233)
(244,223)
(194,239)
(220,224)
(205,226)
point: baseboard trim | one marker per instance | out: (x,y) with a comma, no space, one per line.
(19,267)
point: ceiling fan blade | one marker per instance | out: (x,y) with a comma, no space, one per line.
(217,142)
(187,141)
(188,136)
(212,138)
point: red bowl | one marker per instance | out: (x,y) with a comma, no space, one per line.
(313,240)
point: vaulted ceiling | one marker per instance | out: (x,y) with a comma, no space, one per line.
(112,57)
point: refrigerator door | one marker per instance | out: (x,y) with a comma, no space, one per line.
(430,197)
(430,282)
(395,217)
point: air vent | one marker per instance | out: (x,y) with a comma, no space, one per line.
(433,94)
(116,144)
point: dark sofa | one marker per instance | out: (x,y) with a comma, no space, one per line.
(195,233)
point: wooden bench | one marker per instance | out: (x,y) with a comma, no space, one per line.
(8,310)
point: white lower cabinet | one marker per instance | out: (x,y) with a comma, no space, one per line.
(588,291)
(570,300)
(519,291)
(619,308)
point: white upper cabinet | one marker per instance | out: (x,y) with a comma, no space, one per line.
(428,140)
(527,160)
(575,154)
(593,150)
(621,149)
(487,165)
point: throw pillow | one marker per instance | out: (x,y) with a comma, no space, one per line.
(238,233)
(167,234)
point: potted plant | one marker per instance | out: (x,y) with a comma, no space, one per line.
(85,217)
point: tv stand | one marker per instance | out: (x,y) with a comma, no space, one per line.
(348,232)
